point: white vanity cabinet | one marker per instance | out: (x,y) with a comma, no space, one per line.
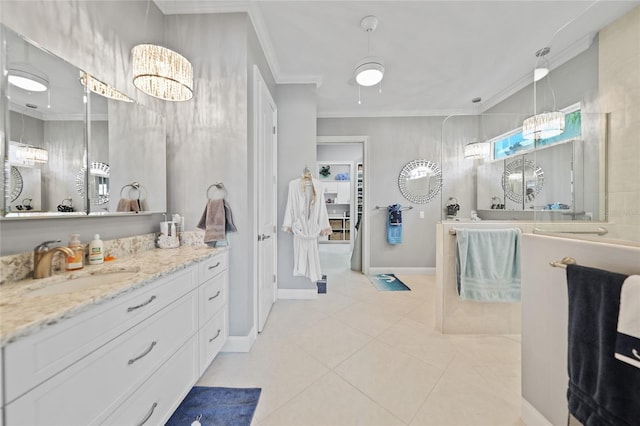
(130,360)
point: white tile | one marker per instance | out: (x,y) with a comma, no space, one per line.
(331,341)
(359,356)
(397,381)
(331,401)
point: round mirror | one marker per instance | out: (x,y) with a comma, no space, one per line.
(98,182)
(15,184)
(522,180)
(420,181)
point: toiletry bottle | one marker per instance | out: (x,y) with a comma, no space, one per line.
(96,251)
(77,260)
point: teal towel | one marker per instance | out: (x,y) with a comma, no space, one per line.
(488,264)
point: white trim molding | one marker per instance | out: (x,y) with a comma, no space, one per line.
(403,271)
(297,293)
(240,343)
(532,417)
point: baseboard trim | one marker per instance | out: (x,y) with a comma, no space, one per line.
(402,271)
(297,293)
(532,417)
(239,343)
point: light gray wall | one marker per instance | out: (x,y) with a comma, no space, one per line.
(340,152)
(393,142)
(208,140)
(96,36)
(296,149)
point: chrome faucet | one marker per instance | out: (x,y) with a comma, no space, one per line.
(43,257)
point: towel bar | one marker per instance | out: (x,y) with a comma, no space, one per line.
(402,208)
(598,231)
(563,263)
(452,231)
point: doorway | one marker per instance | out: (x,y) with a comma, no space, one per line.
(341,167)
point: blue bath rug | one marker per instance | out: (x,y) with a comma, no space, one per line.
(388,282)
(217,406)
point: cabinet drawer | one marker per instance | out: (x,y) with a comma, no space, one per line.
(91,388)
(212,337)
(211,267)
(36,358)
(157,398)
(213,296)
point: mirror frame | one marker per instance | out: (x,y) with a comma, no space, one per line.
(524,165)
(404,177)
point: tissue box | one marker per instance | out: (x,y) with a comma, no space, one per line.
(322,285)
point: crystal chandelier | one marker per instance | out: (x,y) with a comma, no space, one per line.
(544,125)
(102,89)
(162,73)
(477,150)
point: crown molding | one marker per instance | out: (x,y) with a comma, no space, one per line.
(395,113)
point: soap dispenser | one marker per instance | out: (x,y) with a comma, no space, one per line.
(77,260)
(96,251)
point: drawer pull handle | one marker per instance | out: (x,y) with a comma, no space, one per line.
(133,308)
(215,337)
(142,355)
(214,296)
(214,266)
(149,414)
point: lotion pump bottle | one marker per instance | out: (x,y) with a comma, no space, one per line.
(77,260)
(96,251)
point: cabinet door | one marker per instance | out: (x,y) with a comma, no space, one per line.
(344,192)
(89,390)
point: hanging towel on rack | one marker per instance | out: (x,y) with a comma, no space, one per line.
(488,264)
(394,224)
(628,337)
(229,226)
(212,221)
(602,390)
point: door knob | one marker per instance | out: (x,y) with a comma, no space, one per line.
(263,237)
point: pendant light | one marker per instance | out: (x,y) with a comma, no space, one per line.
(370,70)
(162,73)
(102,89)
(546,124)
(478,149)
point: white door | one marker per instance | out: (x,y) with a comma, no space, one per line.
(266,113)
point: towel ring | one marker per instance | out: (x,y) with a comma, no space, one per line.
(134,186)
(220,187)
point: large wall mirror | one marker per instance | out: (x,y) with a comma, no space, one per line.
(69,150)
(420,181)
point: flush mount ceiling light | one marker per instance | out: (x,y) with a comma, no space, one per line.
(544,125)
(26,77)
(162,73)
(102,89)
(369,70)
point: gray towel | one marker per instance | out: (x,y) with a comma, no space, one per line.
(229,226)
(123,205)
(212,221)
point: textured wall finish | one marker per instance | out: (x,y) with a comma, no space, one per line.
(96,36)
(620,95)
(393,142)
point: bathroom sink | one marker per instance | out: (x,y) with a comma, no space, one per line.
(83,282)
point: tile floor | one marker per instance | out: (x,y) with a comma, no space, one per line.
(359,356)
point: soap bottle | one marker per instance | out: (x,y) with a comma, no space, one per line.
(96,251)
(77,260)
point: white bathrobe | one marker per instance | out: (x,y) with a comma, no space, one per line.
(306,216)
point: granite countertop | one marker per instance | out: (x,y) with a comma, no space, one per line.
(23,311)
